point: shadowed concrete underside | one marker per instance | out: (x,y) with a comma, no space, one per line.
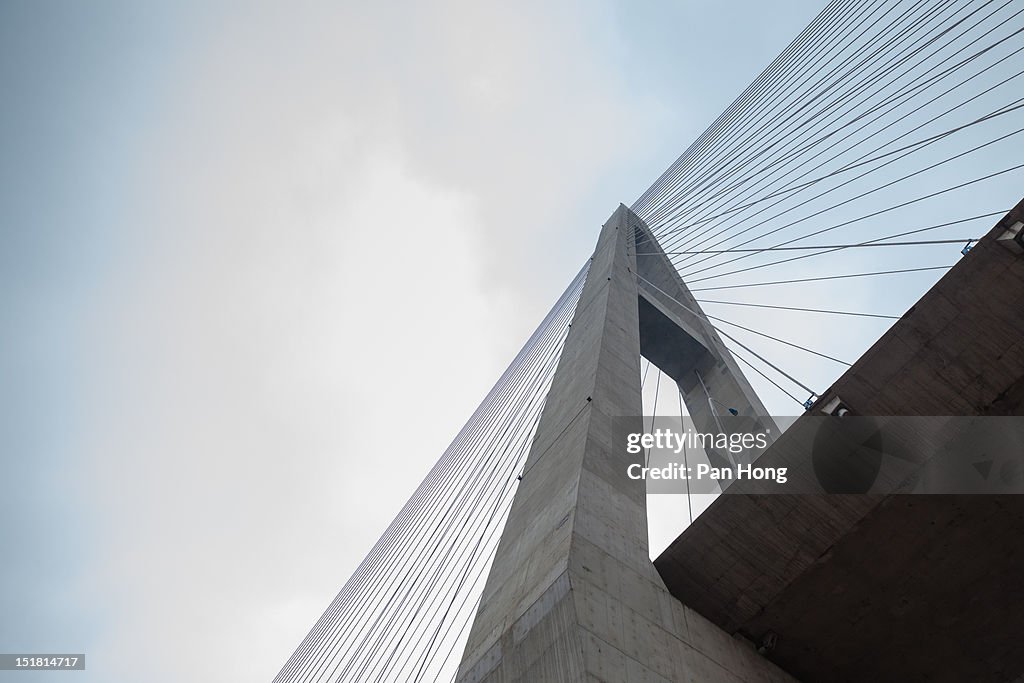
(885,586)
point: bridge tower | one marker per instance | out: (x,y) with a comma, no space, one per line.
(572,594)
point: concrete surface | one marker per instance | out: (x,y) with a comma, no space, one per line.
(572,594)
(884,585)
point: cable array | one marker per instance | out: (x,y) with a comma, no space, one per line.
(407,607)
(881,119)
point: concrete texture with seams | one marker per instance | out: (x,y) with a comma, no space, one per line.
(572,594)
(884,585)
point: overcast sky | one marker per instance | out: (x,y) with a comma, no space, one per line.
(260,262)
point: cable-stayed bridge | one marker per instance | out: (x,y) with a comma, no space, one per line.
(882,146)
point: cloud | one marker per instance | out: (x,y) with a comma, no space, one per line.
(289,250)
(313,244)
(269,383)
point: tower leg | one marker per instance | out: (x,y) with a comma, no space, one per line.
(572,594)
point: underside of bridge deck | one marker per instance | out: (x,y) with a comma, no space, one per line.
(885,585)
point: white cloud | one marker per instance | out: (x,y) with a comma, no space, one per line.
(321,273)
(329,224)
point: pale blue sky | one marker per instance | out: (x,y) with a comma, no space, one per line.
(242,241)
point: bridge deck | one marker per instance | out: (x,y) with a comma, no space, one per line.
(885,586)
